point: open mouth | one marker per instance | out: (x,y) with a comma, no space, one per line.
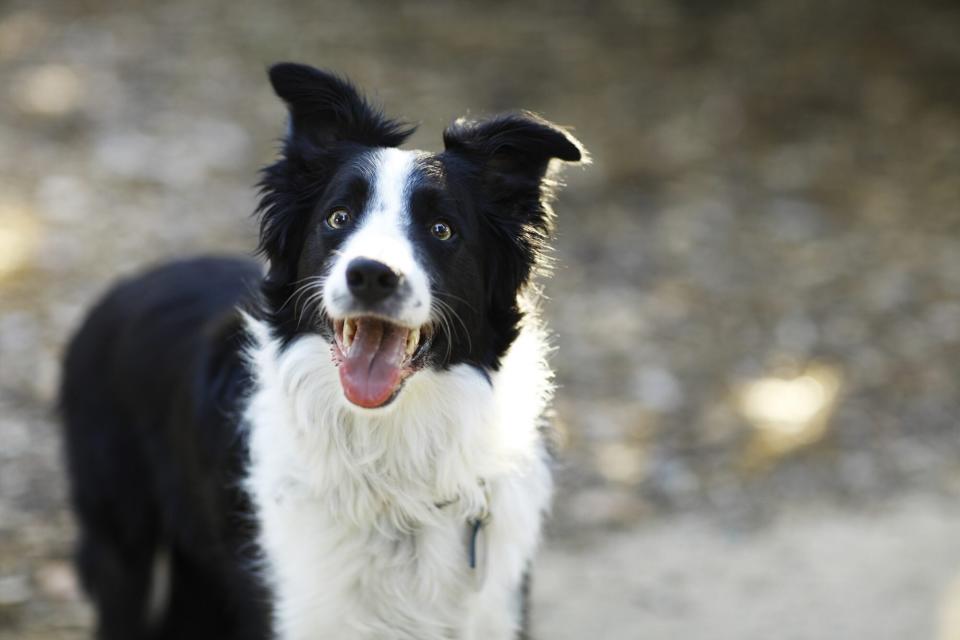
(375,357)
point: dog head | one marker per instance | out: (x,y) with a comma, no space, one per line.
(401,259)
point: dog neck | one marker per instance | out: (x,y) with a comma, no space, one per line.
(435,445)
(388,518)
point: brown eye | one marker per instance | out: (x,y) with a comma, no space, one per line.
(338,219)
(441,230)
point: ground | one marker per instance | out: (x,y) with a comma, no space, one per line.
(755,298)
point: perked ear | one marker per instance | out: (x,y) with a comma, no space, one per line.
(510,156)
(326,109)
(513,145)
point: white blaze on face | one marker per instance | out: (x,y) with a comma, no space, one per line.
(383,235)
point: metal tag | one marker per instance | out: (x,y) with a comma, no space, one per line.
(477,553)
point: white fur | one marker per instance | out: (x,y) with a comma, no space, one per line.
(364,514)
(355,546)
(382,235)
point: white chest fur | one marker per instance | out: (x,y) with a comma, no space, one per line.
(355,545)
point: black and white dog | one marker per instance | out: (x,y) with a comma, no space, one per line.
(353,445)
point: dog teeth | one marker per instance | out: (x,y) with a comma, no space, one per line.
(349,328)
(413,339)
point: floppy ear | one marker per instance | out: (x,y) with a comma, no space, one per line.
(325,109)
(517,146)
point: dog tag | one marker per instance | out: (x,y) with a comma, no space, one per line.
(477,553)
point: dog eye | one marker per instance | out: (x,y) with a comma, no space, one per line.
(338,219)
(441,230)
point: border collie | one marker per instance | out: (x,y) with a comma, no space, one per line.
(353,445)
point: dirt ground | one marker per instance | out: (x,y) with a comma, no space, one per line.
(756,297)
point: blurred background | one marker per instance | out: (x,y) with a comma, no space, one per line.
(756,300)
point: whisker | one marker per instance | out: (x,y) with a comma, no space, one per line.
(458,298)
(312,285)
(450,311)
(314,300)
(300,290)
(444,312)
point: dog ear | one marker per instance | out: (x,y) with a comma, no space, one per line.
(326,109)
(512,147)
(513,156)
(510,158)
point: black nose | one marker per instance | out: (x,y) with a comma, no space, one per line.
(371,281)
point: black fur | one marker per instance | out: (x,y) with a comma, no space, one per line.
(155,380)
(330,124)
(491,181)
(151,386)
(503,162)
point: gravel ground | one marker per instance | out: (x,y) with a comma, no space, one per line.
(756,299)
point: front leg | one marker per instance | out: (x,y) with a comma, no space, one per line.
(501,608)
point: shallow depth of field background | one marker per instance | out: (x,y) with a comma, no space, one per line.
(756,300)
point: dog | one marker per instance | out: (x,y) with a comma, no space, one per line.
(351,441)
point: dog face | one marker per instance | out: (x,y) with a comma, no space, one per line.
(401,259)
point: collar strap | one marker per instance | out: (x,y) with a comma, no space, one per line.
(484,514)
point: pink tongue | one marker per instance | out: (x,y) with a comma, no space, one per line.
(370,371)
